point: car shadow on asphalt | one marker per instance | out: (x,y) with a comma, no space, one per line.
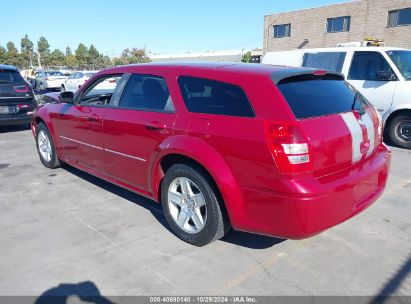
(87,292)
(238,238)
(10,129)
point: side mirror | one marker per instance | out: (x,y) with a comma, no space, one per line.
(66,97)
(386,76)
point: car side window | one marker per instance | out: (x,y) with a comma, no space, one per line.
(146,93)
(214,97)
(100,91)
(367,65)
(330,61)
(72,76)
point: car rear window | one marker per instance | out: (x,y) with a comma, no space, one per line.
(53,73)
(10,76)
(312,96)
(214,97)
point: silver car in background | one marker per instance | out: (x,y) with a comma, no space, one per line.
(76,80)
(49,80)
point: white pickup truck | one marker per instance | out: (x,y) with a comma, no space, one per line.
(381,74)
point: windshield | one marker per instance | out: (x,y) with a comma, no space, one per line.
(402,60)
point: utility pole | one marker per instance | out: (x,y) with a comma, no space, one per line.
(38,57)
(31,60)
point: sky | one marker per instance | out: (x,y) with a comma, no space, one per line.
(161,26)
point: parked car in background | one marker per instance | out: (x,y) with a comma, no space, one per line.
(76,80)
(286,152)
(381,74)
(51,80)
(17,100)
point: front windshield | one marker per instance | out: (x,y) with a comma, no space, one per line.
(402,60)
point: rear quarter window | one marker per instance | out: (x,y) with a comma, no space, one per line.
(313,96)
(214,97)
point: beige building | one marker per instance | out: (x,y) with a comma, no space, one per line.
(389,20)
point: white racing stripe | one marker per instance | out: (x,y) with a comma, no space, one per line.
(371,132)
(356,135)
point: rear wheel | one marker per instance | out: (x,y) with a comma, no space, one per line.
(46,148)
(399,131)
(192,207)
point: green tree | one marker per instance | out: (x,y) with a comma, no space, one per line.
(132,56)
(26,44)
(3,55)
(71,61)
(43,45)
(43,48)
(92,52)
(246,57)
(26,50)
(56,58)
(68,51)
(82,56)
(101,62)
(93,58)
(13,56)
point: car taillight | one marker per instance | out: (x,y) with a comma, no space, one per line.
(21,88)
(379,118)
(289,147)
(23,106)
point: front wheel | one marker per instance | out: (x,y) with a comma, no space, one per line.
(192,206)
(399,131)
(46,148)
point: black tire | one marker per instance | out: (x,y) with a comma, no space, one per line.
(399,131)
(54,162)
(216,224)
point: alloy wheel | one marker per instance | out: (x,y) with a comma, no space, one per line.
(187,205)
(44,144)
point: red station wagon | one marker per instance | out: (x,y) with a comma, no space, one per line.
(279,151)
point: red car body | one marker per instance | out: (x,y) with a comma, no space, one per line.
(262,194)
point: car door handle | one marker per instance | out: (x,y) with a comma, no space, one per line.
(155,126)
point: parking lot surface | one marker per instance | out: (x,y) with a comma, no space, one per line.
(66,227)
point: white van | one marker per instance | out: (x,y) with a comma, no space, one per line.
(381,74)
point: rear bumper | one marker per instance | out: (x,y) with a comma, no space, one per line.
(53,84)
(305,207)
(15,120)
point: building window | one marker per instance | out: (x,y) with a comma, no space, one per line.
(282,30)
(399,17)
(339,24)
